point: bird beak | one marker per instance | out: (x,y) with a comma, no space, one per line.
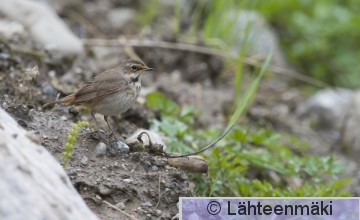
(148,69)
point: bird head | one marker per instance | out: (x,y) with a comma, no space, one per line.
(135,68)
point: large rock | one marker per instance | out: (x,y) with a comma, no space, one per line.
(327,107)
(261,37)
(121,18)
(45,27)
(335,112)
(11,30)
(33,184)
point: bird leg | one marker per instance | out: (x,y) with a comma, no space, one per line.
(112,131)
(93,116)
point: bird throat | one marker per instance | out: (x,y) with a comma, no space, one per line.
(137,82)
(135,78)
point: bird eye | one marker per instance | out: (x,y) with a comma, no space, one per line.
(133,67)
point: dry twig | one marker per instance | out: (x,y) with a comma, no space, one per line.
(119,210)
(199,49)
(158,202)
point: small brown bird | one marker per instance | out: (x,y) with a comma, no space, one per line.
(111,92)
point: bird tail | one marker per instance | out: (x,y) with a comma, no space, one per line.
(67,99)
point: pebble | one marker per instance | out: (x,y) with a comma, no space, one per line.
(120,205)
(158,161)
(128,180)
(84,160)
(104,190)
(48,90)
(154,168)
(147,203)
(100,150)
(122,147)
(97,197)
(158,212)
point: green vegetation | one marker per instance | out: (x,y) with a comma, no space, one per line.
(249,161)
(71,140)
(148,11)
(260,162)
(214,15)
(320,38)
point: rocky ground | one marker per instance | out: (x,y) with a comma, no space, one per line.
(139,183)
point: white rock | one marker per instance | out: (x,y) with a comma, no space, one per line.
(154,168)
(154,137)
(128,180)
(262,38)
(147,203)
(120,205)
(337,113)
(329,106)
(11,29)
(33,185)
(104,190)
(122,147)
(84,160)
(45,27)
(352,134)
(100,150)
(119,18)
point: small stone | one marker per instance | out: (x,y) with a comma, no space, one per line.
(48,90)
(122,147)
(120,205)
(84,160)
(100,150)
(128,180)
(154,168)
(104,190)
(147,203)
(158,212)
(158,161)
(63,118)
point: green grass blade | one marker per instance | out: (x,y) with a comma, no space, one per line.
(251,91)
(239,67)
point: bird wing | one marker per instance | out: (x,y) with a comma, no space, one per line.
(104,84)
